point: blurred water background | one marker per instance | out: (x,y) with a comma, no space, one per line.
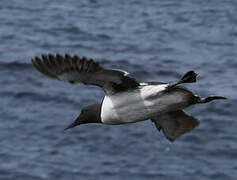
(153,40)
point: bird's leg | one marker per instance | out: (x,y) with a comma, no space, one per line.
(208,99)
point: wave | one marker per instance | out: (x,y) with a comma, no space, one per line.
(119,64)
(15,66)
(39,97)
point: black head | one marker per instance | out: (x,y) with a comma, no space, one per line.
(89,114)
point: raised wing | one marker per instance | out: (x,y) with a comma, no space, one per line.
(82,70)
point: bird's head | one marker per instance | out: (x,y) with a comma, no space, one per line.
(89,114)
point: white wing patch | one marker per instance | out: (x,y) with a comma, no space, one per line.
(125,72)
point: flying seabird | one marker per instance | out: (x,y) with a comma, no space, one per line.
(126,100)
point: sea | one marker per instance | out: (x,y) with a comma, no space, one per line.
(154,40)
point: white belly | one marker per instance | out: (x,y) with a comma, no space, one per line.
(140,104)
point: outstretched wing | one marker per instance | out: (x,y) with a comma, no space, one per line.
(174,124)
(82,70)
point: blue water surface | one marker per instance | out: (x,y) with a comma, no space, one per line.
(153,40)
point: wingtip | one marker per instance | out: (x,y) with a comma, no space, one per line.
(223,97)
(33,61)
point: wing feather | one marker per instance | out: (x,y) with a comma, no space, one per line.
(174,124)
(82,70)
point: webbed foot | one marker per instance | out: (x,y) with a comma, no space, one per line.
(188,77)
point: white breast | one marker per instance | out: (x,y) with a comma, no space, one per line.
(140,104)
(129,106)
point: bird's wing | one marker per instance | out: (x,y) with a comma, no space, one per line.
(82,70)
(174,124)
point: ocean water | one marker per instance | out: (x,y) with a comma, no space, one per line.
(154,41)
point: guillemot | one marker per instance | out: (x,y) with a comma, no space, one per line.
(126,100)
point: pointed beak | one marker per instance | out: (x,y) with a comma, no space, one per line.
(71,126)
(78,121)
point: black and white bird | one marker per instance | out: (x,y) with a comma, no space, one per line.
(126,100)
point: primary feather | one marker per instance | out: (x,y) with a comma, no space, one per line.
(82,70)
